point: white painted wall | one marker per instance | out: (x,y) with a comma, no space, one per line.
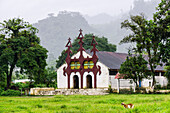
(124,83)
(145,82)
(102,80)
(163,81)
(61,79)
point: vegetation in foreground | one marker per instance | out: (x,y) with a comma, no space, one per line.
(79,103)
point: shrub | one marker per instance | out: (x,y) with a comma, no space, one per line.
(1,90)
(110,89)
(10,92)
(126,91)
(21,85)
(40,85)
(158,86)
(63,106)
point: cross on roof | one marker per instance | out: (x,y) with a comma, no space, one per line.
(80,30)
(94,41)
(69,43)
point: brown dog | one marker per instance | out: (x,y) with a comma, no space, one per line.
(127,105)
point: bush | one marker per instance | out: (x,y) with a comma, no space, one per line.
(40,85)
(158,87)
(110,89)
(126,91)
(1,90)
(10,92)
(21,85)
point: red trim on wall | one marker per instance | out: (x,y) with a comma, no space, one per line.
(81,59)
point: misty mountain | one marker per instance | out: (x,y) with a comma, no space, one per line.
(101,18)
(113,29)
(54,31)
(145,7)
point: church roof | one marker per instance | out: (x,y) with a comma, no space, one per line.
(113,60)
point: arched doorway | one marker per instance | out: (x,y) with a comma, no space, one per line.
(76,82)
(89,81)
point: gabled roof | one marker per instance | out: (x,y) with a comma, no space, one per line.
(113,60)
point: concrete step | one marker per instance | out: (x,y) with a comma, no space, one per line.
(81,92)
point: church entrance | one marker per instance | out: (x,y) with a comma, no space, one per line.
(76,82)
(89,81)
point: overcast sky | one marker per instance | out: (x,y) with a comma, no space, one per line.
(34,10)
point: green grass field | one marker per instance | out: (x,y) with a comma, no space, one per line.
(153,103)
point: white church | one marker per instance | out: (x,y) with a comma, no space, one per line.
(97,70)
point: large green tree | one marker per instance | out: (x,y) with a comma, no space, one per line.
(162,18)
(151,36)
(135,67)
(144,35)
(20,48)
(103,45)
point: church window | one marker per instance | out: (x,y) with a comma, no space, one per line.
(75,65)
(72,65)
(86,65)
(89,64)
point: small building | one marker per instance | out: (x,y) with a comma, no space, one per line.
(97,69)
(22,80)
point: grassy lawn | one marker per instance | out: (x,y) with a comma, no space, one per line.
(153,103)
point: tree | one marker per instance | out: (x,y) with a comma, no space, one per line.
(151,36)
(144,34)
(135,67)
(103,45)
(162,19)
(50,78)
(19,47)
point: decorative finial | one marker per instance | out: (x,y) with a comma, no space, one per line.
(93,41)
(69,43)
(80,30)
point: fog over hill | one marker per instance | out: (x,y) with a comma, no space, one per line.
(55,30)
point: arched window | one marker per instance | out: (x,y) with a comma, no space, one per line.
(88,65)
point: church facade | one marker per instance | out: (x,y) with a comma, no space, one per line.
(82,70)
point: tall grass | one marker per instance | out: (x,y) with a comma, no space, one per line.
(152,103)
